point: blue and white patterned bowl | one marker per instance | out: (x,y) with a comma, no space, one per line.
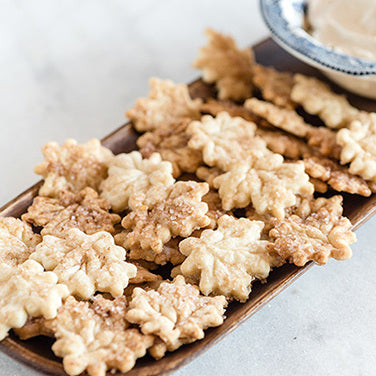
(285,20)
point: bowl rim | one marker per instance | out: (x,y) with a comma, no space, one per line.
(297,39)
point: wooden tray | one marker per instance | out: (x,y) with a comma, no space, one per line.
(36,352)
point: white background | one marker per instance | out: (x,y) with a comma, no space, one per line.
(69,69)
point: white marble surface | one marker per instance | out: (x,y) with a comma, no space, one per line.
(70,69)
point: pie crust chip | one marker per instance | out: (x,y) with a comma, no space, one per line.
(359,146)
(338,177)
(281,143)
(208,174)
(27,290)
(163,213)
(83,210)
(130,174)
(17,241)
(214,107)
(170,252)
(226,261)
(86,263)
(324,140)
(94,337)
(167,104)
(224,64)
(271,186)
(72,166)
(225,141)
(176,313)
(304,206)
(282,118)
(275,86)
(215,208)
(321,235)
(172,144)
(34,326)
(320,138)
(317,98)
(319,185)
(143,275)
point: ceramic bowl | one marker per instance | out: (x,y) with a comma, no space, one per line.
(285,20)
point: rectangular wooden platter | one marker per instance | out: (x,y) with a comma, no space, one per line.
(36,352)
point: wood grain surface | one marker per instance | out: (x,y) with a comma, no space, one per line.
(37,353)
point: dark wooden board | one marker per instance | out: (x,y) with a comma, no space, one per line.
(36,352)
